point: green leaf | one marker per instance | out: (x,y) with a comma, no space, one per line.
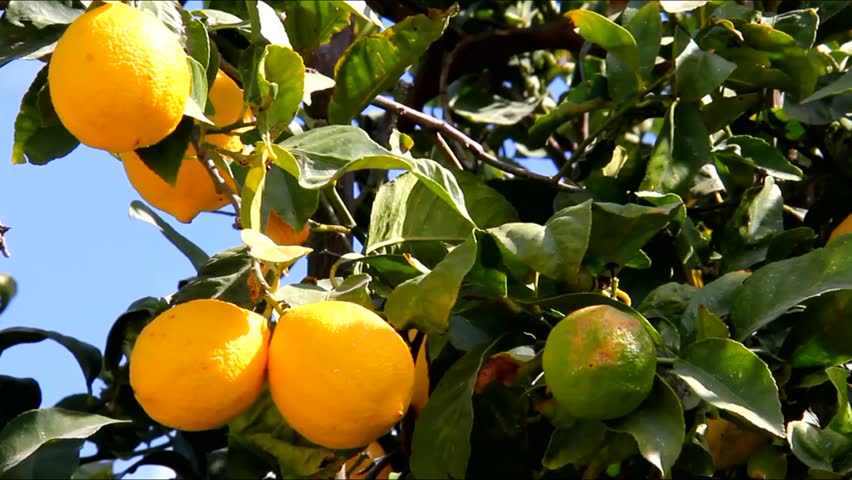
(709,325)
(353,289)
(580,99)
(326,153)
(19,395)
(426,301)
(471,101)
(716,297)
(722,111)
(555,249)
(619,231)
(127,327)
(374,63)
(699,73)
(573,444)
(165,157)
(822,336)
(405,209)
(818,449)
(224,277)
(262,430)
(658,427)
(263,248)
(8,289)
(281,83)
(727,375)
(271,26)
(646,27)
(767,462)
(682,148)
(315,82)
(88,356)
(196,255)
(757,219)
(802,25)
(773,289)
(30,430)
(622,82)
(39,135)
(56,459)
(758,153)
(596,28)
(30,29)
(283,195)
(837,87)
(441,443)
(252,196)
(311,23)
(842,421)
(197,101)
(680,6)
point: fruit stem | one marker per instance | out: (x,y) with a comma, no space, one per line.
(323,228)
(333,197)
(221,186)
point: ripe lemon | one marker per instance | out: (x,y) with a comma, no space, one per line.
(844,227)
(339,374)
(194,192)
(119,79)
(199,364)
(731,445)
(599,362)
(364,460)
(282,233)
(421,376)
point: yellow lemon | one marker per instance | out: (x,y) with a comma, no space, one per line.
(340,375)
(282,233)
(119,79)
(844,227)
(199,364)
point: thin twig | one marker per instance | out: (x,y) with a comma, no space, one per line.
(453,133)
(221,185)
(448,152)
(4,249)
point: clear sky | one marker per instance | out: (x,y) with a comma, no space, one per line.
(79,260)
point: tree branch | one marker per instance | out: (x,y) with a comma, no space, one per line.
(221,186)
(453,133)
(448,152)
(4,249)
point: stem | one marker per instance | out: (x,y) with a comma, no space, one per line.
(339,207)
(448,152)
(3,248)
(230,128)
(323,228)
(433,123)
(254,18)
(221,186)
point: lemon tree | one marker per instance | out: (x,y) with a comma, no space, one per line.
(598,239)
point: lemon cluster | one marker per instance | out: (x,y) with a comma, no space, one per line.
(339,374)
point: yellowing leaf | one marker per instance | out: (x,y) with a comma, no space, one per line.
(263,248)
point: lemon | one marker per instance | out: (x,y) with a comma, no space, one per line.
(199,364)
(339,374)
(194,191)
(731,445)
(599,363)
(844,227)
(282,233)
(119,79)
(360,464)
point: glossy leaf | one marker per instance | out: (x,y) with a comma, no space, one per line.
(56,459)
(773,289)
(263,248)
(406,209)
(842,421)
(839,86)
(30,430)
(682,147)
(758,153)
(126,328)
(757,219)
(441,444)
(8,289)
(283,195)
(802,25)
(224,277)
(818,449)
(88,356)
(716,297)
(619,231)
(327,153)
(426,301)
(29,29)
(722,111)
(822,336)
(555,249)
(596,28)
(658,427)
(729,376)
(374,63)
(573,444)
(312,23)
(647,28)
(166,157)
(699,73)
(197,101)
(680,6)
(271,27)
(19,395)
(196,256)
(281,83)
(252,196)
(39,135)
